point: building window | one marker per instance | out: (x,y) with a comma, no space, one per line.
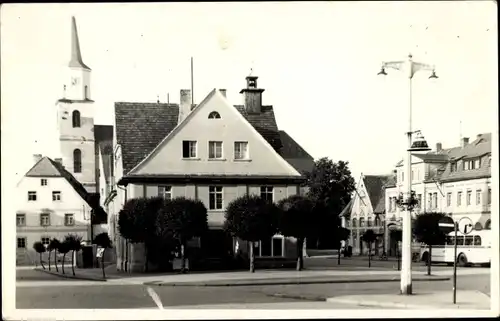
(369,222)
(215,150)
(459,199)
(56,196)
(77,161)
(448,199)
(241,150)
(435,199)
(477,163)
(487,225)
(267,193)
(489,196)
(453,167)
(429,201)
(469,197)
(272,247)
(478,197)
(215,198)
(44,219)
(43,182)
(402,176)
(86,92)
(76,119)
(419,199)
(354,222)
(21,242)
(165,192)
(361,222)
(189,149)
(21,219)
(214,115)
(45,241)
(69,219)
(346,223)
(32,196)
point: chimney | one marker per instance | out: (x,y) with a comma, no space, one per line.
(223,92)
(37,158)
(185,104)
(58,160)
(252,96)
(465,141)
(479,136)
(439,147)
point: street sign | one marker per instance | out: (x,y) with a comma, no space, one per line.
(465,225)
(100,251)
(446,224)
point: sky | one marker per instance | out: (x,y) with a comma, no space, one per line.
(317,61)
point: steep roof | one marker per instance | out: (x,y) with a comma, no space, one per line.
(294,154)
(76,60)
(140,127)
(374,185)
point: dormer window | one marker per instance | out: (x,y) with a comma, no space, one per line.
(214,115)
(453,167)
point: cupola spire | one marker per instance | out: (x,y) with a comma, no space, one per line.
(76,55)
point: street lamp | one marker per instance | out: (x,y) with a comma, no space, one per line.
(411,68)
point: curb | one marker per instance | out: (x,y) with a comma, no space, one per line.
(277,282)
(70,276)
(297,297)
(380,304)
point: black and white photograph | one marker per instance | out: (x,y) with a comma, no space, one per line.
(215,160)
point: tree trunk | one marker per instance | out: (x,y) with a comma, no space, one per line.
(73,262)
(429,260)
(252,259)
(183,258)
(300,258)
(370,255)
(338,253)
(41,262)
(146,257)
(55,260)
(102,263)
(64,259)
(50,252)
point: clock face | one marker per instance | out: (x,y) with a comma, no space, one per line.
(74,81)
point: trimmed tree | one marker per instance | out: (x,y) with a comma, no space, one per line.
(341,234)
(75,244)
(145,225)
(296,219)
(54,246)
(426,230)
(127,220)
(182,219)
(103,240)
(40,248)
(369,237)
(251,219)
(64,248)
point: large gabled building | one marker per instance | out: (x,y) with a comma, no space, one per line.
(213,151)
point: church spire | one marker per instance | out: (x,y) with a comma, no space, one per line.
(76,55)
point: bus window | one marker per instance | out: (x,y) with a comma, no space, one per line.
(477,240)
(469,240)
(450,240)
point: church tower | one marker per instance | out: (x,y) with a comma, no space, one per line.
(75,118)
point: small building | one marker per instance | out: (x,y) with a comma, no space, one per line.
(366,211)
(214,152)
(51,203)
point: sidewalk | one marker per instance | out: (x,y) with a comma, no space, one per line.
(438,300)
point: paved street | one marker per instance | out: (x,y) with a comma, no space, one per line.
(38,290)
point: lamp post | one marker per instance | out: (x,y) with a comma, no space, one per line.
(411,68)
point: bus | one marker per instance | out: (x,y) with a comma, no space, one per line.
(473,248)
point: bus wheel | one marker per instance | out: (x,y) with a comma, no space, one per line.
(462,260)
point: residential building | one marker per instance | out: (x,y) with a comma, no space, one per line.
(365,211)
(455,180)
(214,152)
(51,204)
